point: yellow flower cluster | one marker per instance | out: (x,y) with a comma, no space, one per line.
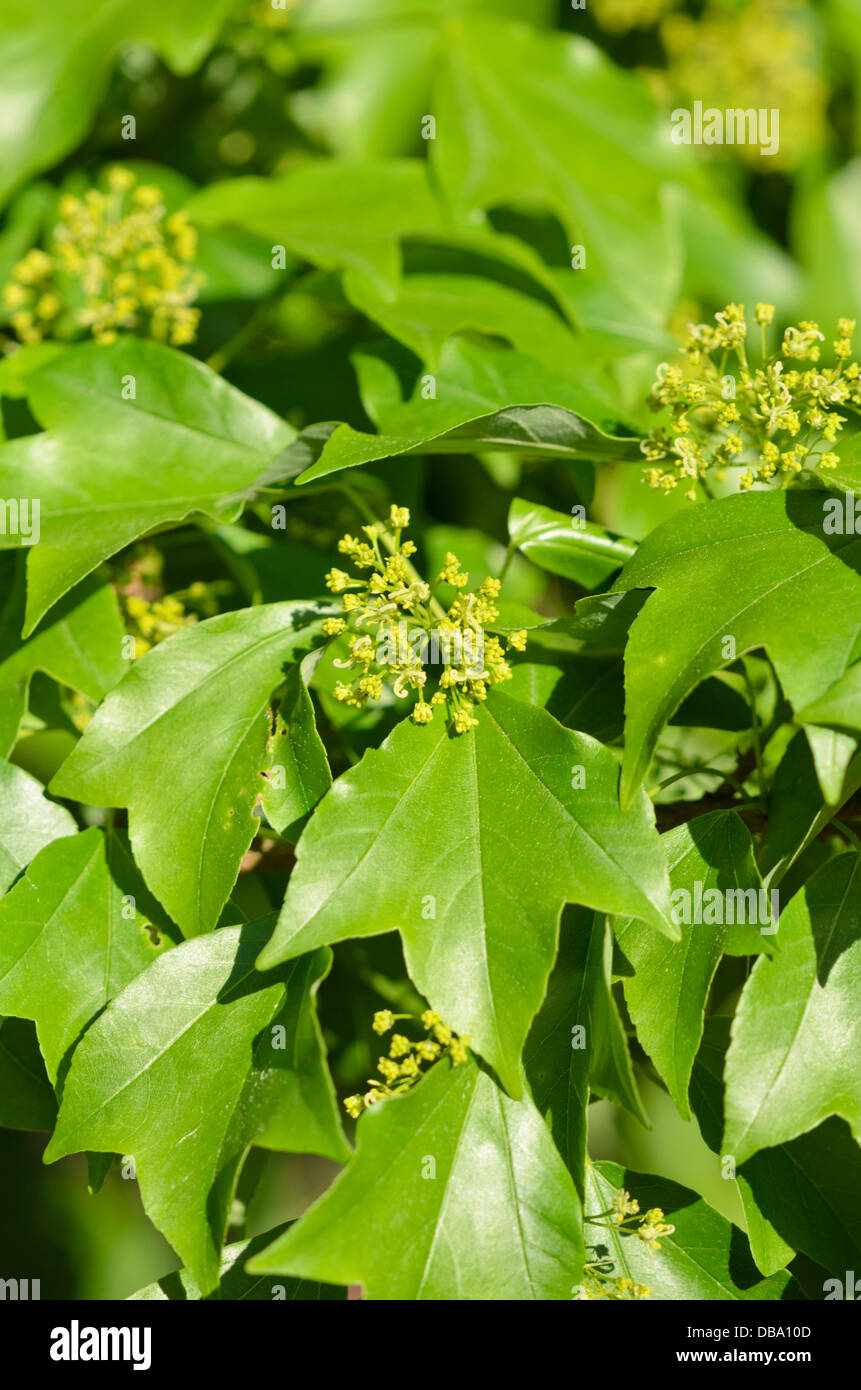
(597,1285)
(762,54)
(622,1214)
(403,1066)
(619,16)
(394,621)
(150,622)
(625,1211)
(775,420)
(117,264)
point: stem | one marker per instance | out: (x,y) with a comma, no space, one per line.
(695,771)
(509,556)
(844,830)
(433,604)
(754,728)
(220,358)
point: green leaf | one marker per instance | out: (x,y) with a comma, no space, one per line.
(336,213)
(832,756)
(378,60)
(757,568)
(235,1284)
(26,1095)
(55,64)
(109,469)
(297,770)
(707,1258)
(562,1064)
(576,549)
(431,308)
(826,237)
(486,398)
(187,1069)
(667,990)
(469,845)
(582,692)
(28,821)
(840,706)
(80,646)
(546,120)
(793,1060)
(185,742)
(801,1195)
(492,1212)
(798,808)
(73,933)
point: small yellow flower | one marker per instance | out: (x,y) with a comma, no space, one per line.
(147,196)
(624,1205)
(384,1019)
(463,721)
(338,580)
(451,572)
(120,180)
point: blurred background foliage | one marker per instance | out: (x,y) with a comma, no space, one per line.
(221,91)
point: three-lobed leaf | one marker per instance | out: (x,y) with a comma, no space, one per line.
(198,1059)
(186,742)
(455,1190)
(137,435)
(73,933)
(469,845)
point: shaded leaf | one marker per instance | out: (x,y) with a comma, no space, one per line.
(28,821)
(756,568)
(793,1060)
(706,1258)
(234,1284)
(80,646)
(26,1095)
(186,1069)
(669,983)
(72,936)
(564,1063)
(801,1195)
